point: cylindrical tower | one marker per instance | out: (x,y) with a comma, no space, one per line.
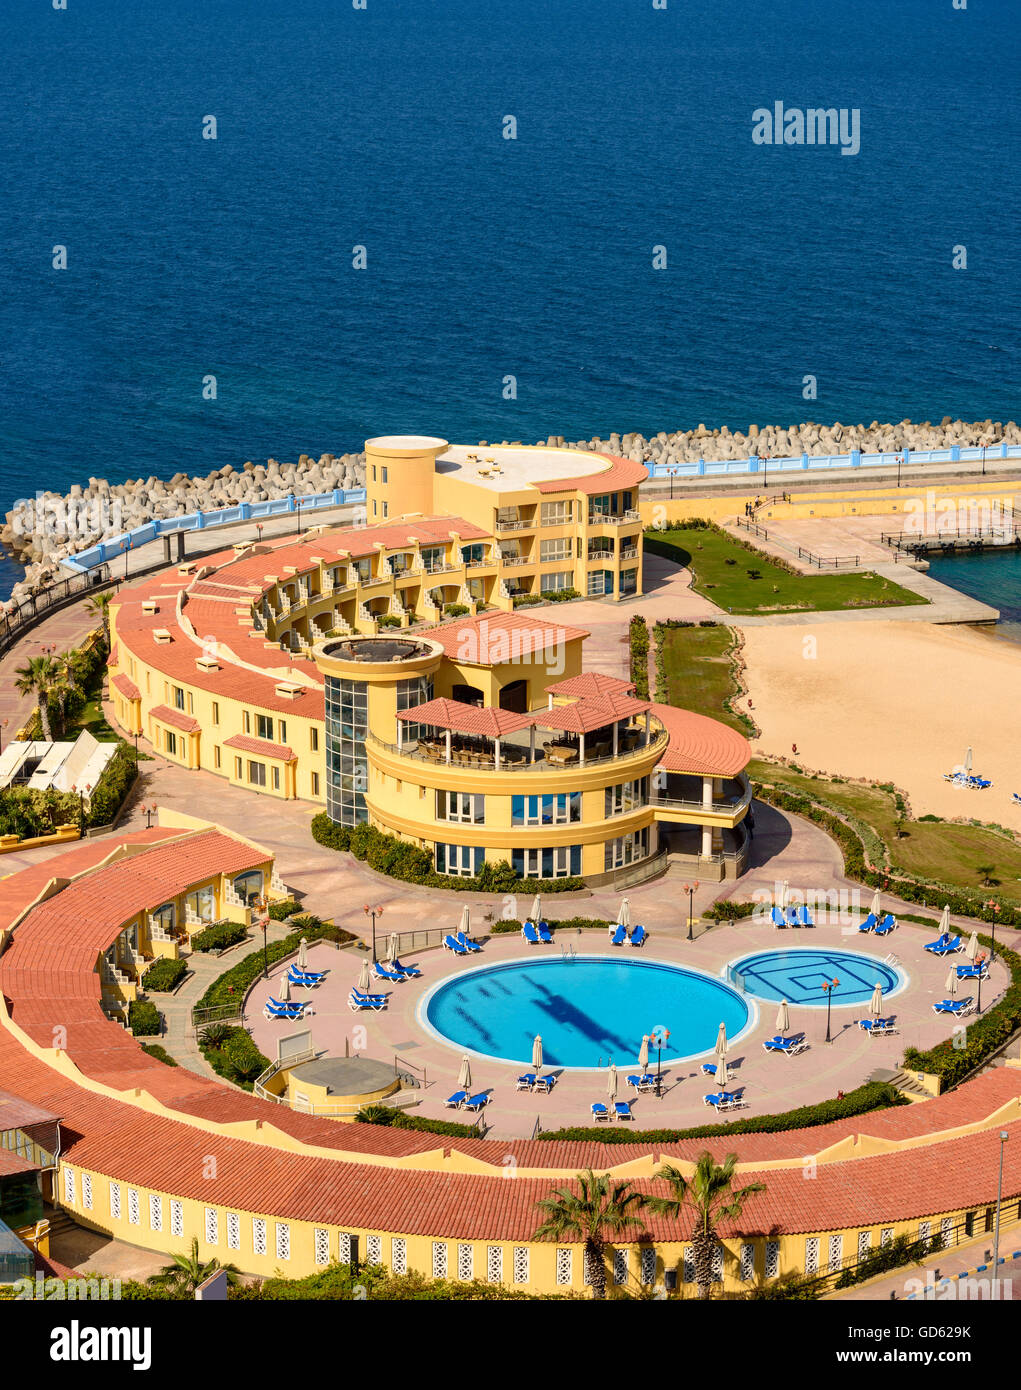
(399,472)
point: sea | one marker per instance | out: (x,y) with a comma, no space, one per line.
(492,219)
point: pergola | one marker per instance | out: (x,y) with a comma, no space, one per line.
(594,712)
(454,716)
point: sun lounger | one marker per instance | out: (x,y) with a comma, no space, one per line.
(456,1100)
(412,971)
(467,942)
(647,1082)
(957,1007)
(308,979)
(869,924)
(945,945)
(545,935)
(530,934)
(638,936)
(777,918)
(599,1112)
(356,1002)
(724,1100)
(978,971)
(622,1110)
(278,1008)
(878,1027)
(886,926)
(619,936)
(383,972)
(1016,798)
(526,1082)
(544,1084)
(452,944)
(790,1047)
(476,1102)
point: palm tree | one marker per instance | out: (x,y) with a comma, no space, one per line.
(712,1196)
(187,1272)
(38,678)
(599,1208)
(66,686)
(99,607)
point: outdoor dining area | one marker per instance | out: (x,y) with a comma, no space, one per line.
(584,731)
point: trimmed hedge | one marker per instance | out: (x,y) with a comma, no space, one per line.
(510,924)
(728,910)
(164,976)
(638,640)
(874,1095)
(232,986)
(160,1053)
(407,862)
(280,910)
(144,1018)
(397,1119)
(219,936)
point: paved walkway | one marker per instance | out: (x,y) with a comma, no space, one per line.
(62,630)
(919,1282)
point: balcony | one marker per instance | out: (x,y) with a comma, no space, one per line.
(517,560)
(520,523)
(550,754)
(683,794)
(611,519)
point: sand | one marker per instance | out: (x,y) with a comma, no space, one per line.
(899,702)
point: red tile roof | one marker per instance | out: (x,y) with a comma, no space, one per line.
(126,686)
(176,718)
(264,747)
(591,712)
(622,473)
(591,683)
(701,745)
(489,638)
(467,719)
(11,1162)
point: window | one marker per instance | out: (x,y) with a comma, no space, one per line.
(315,783)
(346,760)
(283,1241)
(626,796)
(556,583)
(313,739)
(864,1243)
(521,1264)
(564,1263)
(69,1197)
(373,472)
(399,1255)
(322,1246)
(494,1263)
(946,1230)
(134,1211)
(347,1249)
(629,580)
(176,1217)
(747,1261)
(555,513)
(264,726)
(772,1266)
(410,693)
(812,1255)
(386,508)
(248,886)
(216,755)
(237,768)
(465,1263)
(627,849)
(563,861)
(620,1266)
(600,546)
(233,1231)
(384,470)
(155,1211)
(716,1267)
(460,861)
(836,1252)
(648,1265)
(248,722)
(212,1226)
(461,806)
(178,697)
(558,549)
(439,1259)
(600,582)
(886,1238)
(216,711)
(276,779)
(170,742)
(256,773)
(202,903)
(259,1235)
(115,1200)
(87,1191)
(560,809)
(374,1250)
(924,1230)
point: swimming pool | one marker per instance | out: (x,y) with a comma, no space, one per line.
(797,975)
(590,1010)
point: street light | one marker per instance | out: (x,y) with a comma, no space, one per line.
(150,811)
(689,888)
(1004,1136)
(829,986)
(82,793)
(262,903)
(660,1039)
(373,912)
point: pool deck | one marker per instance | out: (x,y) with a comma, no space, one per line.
(771,1083)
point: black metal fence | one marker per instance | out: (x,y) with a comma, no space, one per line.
(19,619)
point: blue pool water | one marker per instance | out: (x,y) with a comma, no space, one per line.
(798,976)
(589,1011)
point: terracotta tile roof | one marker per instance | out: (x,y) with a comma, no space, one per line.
(621,473)
(591,683)
(264,747)
(491,637)
(126,686)
(701,745)
(467,719)
(16,1113)
(591,712)
(176,718)
(11,1162)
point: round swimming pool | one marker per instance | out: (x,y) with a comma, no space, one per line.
(798,975)
(590,1011)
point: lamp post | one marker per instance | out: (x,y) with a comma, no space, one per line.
(150,811)
(660,1039)
(900,460)
(82,794)
(3,725)
(262,904)
(978,1002)
(373,912)
(689,888)
(829,986)
(1004,1136)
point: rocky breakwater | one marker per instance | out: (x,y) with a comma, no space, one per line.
(778,441)
(40,531)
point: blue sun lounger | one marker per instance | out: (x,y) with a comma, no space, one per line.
(886,926)
(279,1008)
(467,942)
(383,972)
(957,1007)
(978,971)
(619,936)
(878,1027)
(544,1083)
(476,1102)
(869,924)
(945,945)
(708,1068)
(412,971)
(777,918)
(356,1001)
(724,1100)
(530,934)
(790,1047)
(599,1112)
(308,979)
(452,944)
(638,936)
(456,1100)
(622,1110)
(526,1082)
(799,917)
(641,1083)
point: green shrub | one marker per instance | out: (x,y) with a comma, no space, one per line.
(164,975)
(983,1036)
(160,1053)
(233,1055)
(219,936)
(244,1057)
(560,595)
(388,620)
(873,1095)
(727,910)
(510,924)
(144,1018)
(279,910)
(456,610)
(115,781)
(526,600)
(397,1119)
(638,639)
(901,1251)
(231,987)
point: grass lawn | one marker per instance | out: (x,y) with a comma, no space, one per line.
(937,850)
(741,580)
(695,672)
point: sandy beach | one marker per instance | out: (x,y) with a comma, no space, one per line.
(899,702)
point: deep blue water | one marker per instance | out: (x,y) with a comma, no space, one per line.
(993,576)
(486,257)
(589,1011)
(799,975)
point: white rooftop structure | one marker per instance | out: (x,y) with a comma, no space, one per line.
(504,467)
(66,767)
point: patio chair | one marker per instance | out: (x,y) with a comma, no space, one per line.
(945,945)
(638,936)
(308,979)
(878,1027)
(644,1082)
(544,1084)
(978,971)
(526,1082)
(278,1008)
(356,1002)
(622,1110)
(599,1112)
(452,944)
(869,924)
(789,1047)
(383,972)
(530,934)
(411,971)
(476,1102)
(886,926)
(545,935)
(957,1007)
(777,917)
(619,936)
(467,942)
(456,1100)
(800,917)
